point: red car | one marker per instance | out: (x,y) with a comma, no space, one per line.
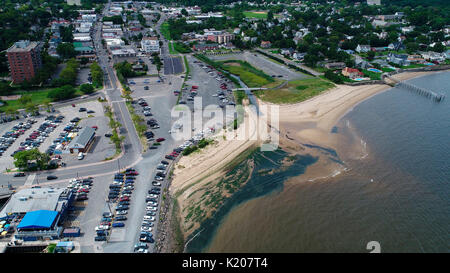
(73,105)
(194,86)
(132,173)
(160,139)
(125,198)
(95,127)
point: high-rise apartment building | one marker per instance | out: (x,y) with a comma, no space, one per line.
(24,59)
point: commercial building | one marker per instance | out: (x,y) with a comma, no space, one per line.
(203,47)
(123,52)
(39,211)
(150,44)
(83,141)
(24,59)
(27,200)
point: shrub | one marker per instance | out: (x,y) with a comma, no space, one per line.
(86,88)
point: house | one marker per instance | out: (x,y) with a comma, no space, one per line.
(433,56)
(298,56)
(349,51)
(361,63)
(396,46)
(415,59)
(297,39)
(381,62)
(287,51)
(363,48)
(407,29)
(337,65)
(398,59)
(266,44)
(351,73)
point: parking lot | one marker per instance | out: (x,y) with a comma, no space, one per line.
(263,63)
(100,149)
(160,99)
(83,76)
(209,89)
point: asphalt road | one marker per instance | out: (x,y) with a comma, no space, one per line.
(173,65)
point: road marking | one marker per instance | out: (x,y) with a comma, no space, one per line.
(30,180)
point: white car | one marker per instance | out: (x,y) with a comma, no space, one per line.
(151,209)
(149,229)
(152,196)
(149,218)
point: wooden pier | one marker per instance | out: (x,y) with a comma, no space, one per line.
(419,90)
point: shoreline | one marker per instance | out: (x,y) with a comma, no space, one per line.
(307,122)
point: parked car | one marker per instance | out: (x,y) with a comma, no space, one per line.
(100,238)
(119,224)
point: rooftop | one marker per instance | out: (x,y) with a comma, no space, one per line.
(83,138)
(22,46)
(39,219)
(33,199)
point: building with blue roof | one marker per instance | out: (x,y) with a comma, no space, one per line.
(39,225)
(38,220)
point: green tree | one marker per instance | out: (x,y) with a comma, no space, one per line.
(24,99)
(86,88)
(62,93)
(66,50)
(97,74)
(22,159)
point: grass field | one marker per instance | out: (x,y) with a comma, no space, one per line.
(251,76)
(165,30)
(181,48)
(38,97)
(258,15)
(295,91)
(172,49)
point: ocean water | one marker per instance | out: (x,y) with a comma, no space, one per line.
(397,195)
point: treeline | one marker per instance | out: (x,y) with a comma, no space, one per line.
(125,70)
(116,19)
(96,74)
(179,26)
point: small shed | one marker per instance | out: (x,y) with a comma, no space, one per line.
(64,247)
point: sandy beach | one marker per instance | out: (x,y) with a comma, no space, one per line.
(308,122)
